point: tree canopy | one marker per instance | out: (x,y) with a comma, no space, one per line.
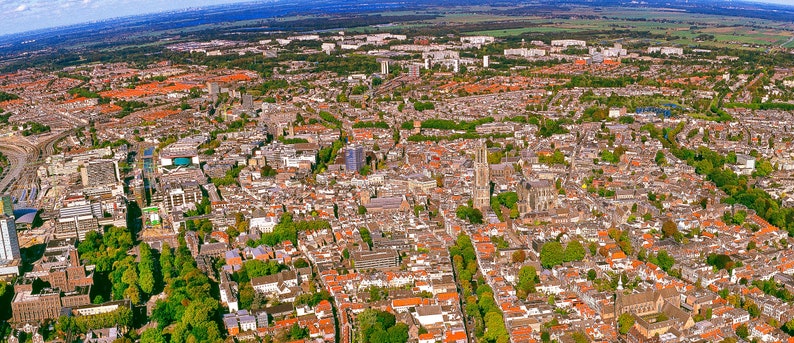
(552,254)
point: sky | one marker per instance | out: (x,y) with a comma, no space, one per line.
(27,15)
(779,2)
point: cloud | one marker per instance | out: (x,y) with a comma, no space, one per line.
(25,15)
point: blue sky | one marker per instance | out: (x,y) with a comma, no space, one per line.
(26,15)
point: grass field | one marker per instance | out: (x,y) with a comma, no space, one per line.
(516,32)
(726,31)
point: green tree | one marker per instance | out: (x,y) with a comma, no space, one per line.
(147,281)
(152,335)
(246,295)
(257,268)
(167,262)
(551,254)
(752,309)
(574,251)
(593,247)
(664,260)
(625,322)
(377,326)
(300,263)
(669,229)
(398,333)
(297,332)
(660,159)
(129,277)
(378,334)
(133,293)
(742,331)
(579,337)
(471,214)
(496,331)
(519,256)
(366,236)
(527,277)
(146,269)
(789,326)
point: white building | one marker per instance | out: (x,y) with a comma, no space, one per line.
(477,39)
(566,43)
(616,112)
(524,52)
(666,50)
(275,283)
(328,48)
(263,223)
(429,315)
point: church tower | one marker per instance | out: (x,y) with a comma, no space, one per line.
(482,179)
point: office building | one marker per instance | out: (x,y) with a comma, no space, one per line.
(177,196)
(99,173)
(9,243)
(384,67)
(28,307)
(76,220)
(354,158)
(375,259)
(413,69)
(213,88)
(567,43)
(248,101)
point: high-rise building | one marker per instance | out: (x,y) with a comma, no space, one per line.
(9,243)
(248,101)
(384,67)
(213,88)
(99,173)
(482,179)
(413,70)
(6,205)
(354,158)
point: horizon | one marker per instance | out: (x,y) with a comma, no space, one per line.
(21,16)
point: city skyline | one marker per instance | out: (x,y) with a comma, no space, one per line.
(425,171)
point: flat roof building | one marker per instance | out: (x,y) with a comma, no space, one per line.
(375,259)
(9,242)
